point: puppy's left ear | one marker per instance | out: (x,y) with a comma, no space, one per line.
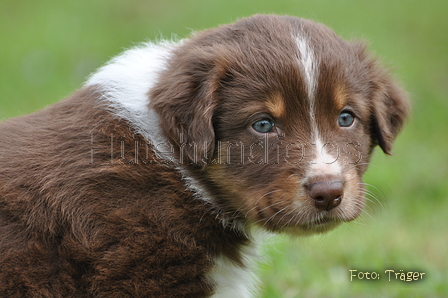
(185,100)
(390,107)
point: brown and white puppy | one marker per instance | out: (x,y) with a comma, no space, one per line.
(148,181)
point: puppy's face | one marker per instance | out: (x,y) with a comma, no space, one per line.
(279,117)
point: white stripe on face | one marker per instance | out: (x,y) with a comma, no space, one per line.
(309,66)
(324,163)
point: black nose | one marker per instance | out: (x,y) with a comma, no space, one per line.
(326,194)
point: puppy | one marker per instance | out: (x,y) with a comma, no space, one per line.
(151,179)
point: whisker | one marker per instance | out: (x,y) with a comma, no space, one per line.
(258,200)
(275,214)
(288,214)
(374,187)
(270,206)
(359,164)
(360,223)
(291,219)
(302,216)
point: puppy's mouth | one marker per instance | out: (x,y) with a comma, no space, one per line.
(303,218)
(320,223)
(316,226)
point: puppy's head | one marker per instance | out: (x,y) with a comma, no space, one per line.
(279,116)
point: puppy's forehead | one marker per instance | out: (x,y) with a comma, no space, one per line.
(301,49)
(296,66)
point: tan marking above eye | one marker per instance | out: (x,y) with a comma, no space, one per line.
(340,96)
(276,105)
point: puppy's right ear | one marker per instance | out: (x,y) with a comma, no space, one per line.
(185,99)
(390,107)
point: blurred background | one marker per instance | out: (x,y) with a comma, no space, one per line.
(47,48)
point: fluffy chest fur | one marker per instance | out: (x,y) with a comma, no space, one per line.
(149,181)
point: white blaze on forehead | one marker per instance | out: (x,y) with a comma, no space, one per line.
(309,66)
(324,163)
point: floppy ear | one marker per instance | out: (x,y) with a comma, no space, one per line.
(390,108)
(185,99)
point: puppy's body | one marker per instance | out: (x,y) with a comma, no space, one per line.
(147,181)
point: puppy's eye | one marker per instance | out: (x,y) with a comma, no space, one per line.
(263,126)
(346,119)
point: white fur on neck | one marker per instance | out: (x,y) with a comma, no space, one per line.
(125,83)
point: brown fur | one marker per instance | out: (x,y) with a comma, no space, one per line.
(66,232)
(88,210)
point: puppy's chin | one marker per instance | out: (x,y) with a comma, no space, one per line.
(320,226)
(316,227)
(307,220)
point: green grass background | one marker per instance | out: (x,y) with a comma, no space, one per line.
(47,48)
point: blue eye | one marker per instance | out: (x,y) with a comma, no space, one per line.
(263,126)
(346,119)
